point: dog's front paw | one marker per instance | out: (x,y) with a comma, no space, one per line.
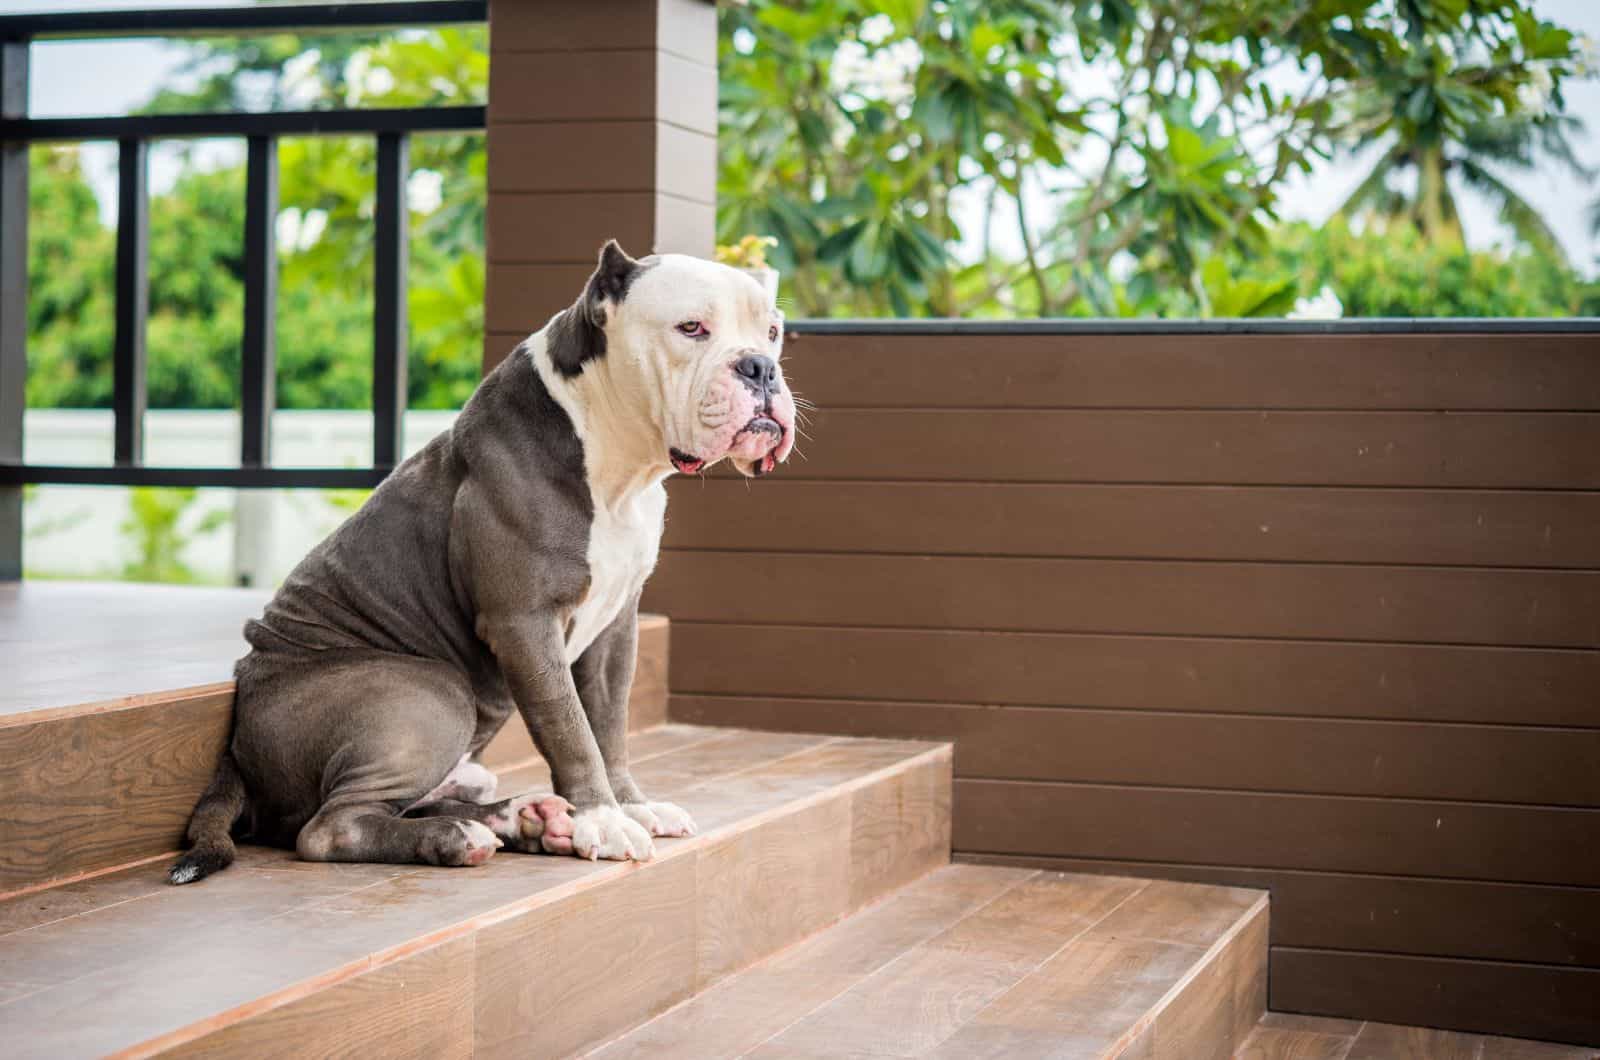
(660,818)
(606,832)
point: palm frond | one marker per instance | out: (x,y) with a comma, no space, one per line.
(1373,191)
(1516,213)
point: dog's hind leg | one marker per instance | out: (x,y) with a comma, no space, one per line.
(374,832)
(369,736)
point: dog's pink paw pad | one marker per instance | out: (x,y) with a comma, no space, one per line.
(548,820)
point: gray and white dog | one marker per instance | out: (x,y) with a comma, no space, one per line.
(498,571)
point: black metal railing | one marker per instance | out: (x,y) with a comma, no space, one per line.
(392,129)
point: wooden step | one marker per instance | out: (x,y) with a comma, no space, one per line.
(1280,1036)
(983,961)
(115,703)
(523,956)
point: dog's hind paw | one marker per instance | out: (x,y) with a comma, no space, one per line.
(457,842)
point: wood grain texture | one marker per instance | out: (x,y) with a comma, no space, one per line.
(1316,756)
(1432,605)
(1245,964)
(1379,1040)
(84,793)
(1541,1002)
(940,986)
(420,1006)
(1283,524)
(1419,916)
(899,830)
(1373,371)
(1391,836)
(764,889)
(1482,450)
(1247,676)
(623,955)
(1275,1043)
(1199,1023)
(1281,1036)
(742,1011)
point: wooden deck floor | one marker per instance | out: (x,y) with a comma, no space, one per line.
(92,645)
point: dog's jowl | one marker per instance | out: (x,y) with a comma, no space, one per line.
(498,572)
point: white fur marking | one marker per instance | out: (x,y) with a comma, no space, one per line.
(630,504)
(660,818)
(606,832)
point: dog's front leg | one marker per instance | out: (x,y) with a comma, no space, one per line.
(604,678)
(531,655)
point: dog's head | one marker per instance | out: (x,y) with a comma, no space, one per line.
(688,348)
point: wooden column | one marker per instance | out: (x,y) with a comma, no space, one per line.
(602,124)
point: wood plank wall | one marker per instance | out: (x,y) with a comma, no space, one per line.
(1312,612)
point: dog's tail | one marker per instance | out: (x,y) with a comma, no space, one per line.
(211,827)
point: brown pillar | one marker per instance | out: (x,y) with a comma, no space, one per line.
(602,124)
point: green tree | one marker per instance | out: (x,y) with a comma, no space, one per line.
(159,526)
(71,264)
(1392,269)
(850,125)
(1458,94)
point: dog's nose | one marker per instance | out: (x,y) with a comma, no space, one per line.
(759,372)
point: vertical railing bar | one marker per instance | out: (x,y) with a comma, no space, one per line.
(389,302)
(13,299)
(133,294)
(259,356)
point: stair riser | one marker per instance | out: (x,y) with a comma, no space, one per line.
(98,789)
(1211,1013)
(579,970)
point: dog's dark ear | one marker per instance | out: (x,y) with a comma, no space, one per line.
(611,278)
(578,333)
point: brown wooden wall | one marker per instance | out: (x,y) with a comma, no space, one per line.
(1312,612)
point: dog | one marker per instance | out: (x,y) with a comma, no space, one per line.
(496,571)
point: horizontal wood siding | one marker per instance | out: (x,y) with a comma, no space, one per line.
(1315,613)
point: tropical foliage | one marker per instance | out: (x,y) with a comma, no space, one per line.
(1127,143)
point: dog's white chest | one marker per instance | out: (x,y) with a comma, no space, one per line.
(623,544)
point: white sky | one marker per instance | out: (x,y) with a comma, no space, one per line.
(107,77)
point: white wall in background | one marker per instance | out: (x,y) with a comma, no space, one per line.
(74,530)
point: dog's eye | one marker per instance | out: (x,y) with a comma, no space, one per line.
(694,329)
(772,333)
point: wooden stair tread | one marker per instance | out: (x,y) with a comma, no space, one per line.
(978,961)
(72,647)
(1284,1036)
(123,959)
(116,703)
